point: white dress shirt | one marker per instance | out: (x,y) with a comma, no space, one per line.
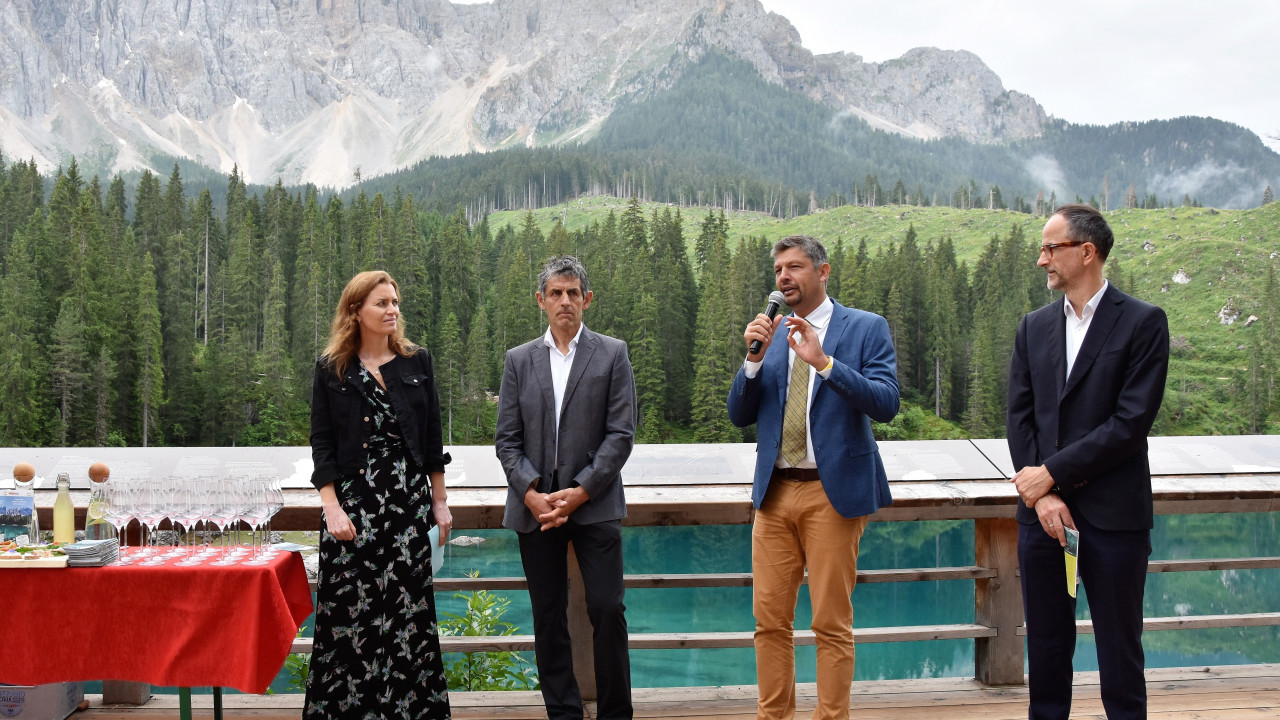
(1078,326)
(561,364)
(820,318)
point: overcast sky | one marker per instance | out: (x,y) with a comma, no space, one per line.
(1086,61)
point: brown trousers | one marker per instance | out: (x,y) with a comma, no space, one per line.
(795,528)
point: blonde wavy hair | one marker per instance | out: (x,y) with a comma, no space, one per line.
(344,334)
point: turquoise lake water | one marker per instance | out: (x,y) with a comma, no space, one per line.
(902,545)
(907,545)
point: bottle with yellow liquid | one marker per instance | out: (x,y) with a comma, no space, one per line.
(64,513)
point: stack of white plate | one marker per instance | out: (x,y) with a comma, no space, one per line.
(92,553)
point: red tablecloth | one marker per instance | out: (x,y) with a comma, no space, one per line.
(165,625)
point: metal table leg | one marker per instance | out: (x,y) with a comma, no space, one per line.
(184,703)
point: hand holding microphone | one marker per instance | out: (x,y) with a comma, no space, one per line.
(760,332)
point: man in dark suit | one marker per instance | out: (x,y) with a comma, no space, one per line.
(818,471)
(566,425)
(1085,384)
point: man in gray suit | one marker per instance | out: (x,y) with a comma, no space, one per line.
(566,425)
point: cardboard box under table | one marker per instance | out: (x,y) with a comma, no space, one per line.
(54,701)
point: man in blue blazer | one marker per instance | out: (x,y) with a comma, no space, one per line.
(818,471)
(1085,383)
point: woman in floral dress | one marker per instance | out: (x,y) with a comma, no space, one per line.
(379,466)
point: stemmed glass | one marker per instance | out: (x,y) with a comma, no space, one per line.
(275,503)
(180,513)
(201,489)
(119,512)
(154,511)
(257,510)
(222,512)
(237,499)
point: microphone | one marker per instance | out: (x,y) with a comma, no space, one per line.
(776,300)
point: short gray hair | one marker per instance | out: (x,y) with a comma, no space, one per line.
(1086,224)
(563,265)
(811,246)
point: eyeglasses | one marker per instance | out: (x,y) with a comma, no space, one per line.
(1048,249)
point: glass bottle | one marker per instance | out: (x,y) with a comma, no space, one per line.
(96,526)
(24,476)
(64,513)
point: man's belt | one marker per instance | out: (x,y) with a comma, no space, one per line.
(797,474)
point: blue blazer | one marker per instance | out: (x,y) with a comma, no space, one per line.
(862,386)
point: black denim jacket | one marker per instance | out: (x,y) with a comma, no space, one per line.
(340,417)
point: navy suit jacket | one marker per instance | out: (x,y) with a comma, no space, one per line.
(1090,429)
(862,386)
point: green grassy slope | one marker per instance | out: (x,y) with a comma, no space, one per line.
(1223,254)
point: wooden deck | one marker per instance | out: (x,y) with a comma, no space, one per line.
(1232,692)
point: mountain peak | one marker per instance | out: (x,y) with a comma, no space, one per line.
(309,92)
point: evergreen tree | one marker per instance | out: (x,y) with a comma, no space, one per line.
(855,289)
(559,242)
(243,286)
(148,340)
(477,361)
(459,280)
(448,367)
(69,358)
(518,316)
(715,341)
(943,327)
(678,298)
(25,415)
(645,350)
(1268,196)
(102,377)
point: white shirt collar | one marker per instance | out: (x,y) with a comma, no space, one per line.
(550,340)
(1089,308)
(821,315)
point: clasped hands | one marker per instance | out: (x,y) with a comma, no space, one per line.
(1035,485)
(554,509)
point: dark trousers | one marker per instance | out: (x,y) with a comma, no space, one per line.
(598,548)
(1113,570)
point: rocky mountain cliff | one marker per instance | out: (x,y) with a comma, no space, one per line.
(321,91)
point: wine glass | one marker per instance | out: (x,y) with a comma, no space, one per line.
(118,511)
(201,488)
(180,504)
(222,512)
(153,512)
(275,503)
(257,510)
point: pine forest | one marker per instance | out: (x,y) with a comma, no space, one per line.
(150,315)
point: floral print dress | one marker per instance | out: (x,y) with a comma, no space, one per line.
(377,650)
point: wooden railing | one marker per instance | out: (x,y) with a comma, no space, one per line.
(931,480)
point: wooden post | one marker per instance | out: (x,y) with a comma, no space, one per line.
(998,603)
(580,632)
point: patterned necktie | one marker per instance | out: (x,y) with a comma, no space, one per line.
(794,435)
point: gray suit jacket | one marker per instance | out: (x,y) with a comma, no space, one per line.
(597,427)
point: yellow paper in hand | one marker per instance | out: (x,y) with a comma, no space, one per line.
(1072,552)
